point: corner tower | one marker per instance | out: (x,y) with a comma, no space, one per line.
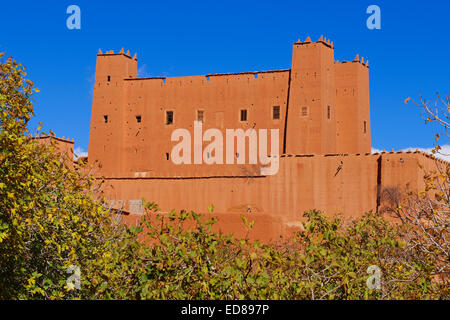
(311,123)
(353,106)
(106,129)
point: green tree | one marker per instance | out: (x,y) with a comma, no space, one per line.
(49,218)
(181,257)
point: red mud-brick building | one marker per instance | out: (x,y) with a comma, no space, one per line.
(320,107)
(63,146)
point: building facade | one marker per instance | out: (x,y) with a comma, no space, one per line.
(320,108)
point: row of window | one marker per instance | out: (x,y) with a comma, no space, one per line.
(201,115)
(243,115)
(305,112)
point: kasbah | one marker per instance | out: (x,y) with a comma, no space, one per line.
(320,108)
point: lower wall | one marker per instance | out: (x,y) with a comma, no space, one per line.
(265,228)
(347,184)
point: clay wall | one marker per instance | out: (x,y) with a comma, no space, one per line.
(62,145)
(106,129)
(130,136)
(303,183)
(345,184)
(311,125)
(352,107)
(147,144)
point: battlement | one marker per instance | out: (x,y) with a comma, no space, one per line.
(52,137)
(326,42)
(227,79)
(254,73)
(63,145)
(356,60)
(121,53)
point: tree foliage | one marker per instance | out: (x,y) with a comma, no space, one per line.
(49,219)
(181,257)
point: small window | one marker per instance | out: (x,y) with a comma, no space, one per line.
(138,119)
(243,115)
(105,117)
(365,127)
(304,111)
(169,117)
(329,112)
(200,115)
(109,78)
(276,112)
(167,156)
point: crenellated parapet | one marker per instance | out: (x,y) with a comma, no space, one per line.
(63,145)
(52,137)
(121,52)
(358,60)
(326,42)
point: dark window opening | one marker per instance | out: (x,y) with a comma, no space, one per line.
(276,112)
(105,117)
(138,119)
(244,115)
(200,115)
(167,156)
(109,78)
(169,117)
(304,111)
(329,112)
(365,127)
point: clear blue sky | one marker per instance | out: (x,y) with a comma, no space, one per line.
(408,56)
